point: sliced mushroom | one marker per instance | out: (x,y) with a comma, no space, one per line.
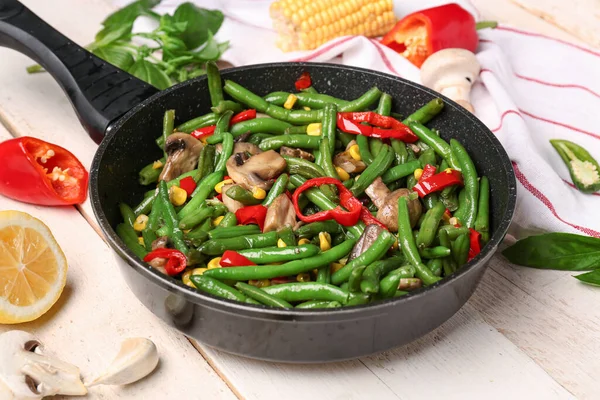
(231,204)
(279,214)
(27,373)
(242,147)
(299,153)
(377,192)
(410,284)
(345,161)
(160,243)
(256,171)
(182,155)
(366,240)
(387,203)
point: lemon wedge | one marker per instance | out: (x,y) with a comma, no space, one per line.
(33,268)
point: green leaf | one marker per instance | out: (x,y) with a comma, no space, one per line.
(119,56)
(129,13)
(562,251)
(151,73)
(170,26)
(111,34)
(591,278)
(210,51)
(196,73)
(199,23)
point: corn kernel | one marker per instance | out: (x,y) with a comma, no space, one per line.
(217,220)
(314,129)
(290,101)
(185,278)
(214,263)
(281,243)
(418,173)
(354,152)
(140,222)
(259,283)
(258,193)
(219,186)
(342,173)
(324,241)
(335,267)
(177,195)
(453,221)
(141,241)
(157,164)
(199,271)
(303,241)
(448,170)
(303,277)
(306,108)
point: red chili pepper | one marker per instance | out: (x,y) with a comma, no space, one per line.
(475,246)
(176,262)
(420,34)
(428,172)
(438,182)
(400,131)
(369,219)
(239,117)
(347,200)
(188,184)
(234,259)
(252,215)
(304,82)
(38,172)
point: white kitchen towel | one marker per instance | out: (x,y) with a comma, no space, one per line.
(532,88)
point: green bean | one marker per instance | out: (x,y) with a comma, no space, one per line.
(312,100)
(355,278)
(307,291)
(344,137)
(408,246)
(427,112)
(389,284)
(278,188)
(450,201)
(453,232)
(310,89)
(482,223)
(216,288)
(154,216)
(314,228)
(220,129)
(238,193)
(400,152)
(435,252)
(148,237)
(196,123)
(206,163)
(149,174)
(462,205)
(324,273)
(303,167)
(296,130)
(471,182)
(228,221)
(290,268)
(200,194)
(363,148)
(438,144)
(385,105)
(435,265)
(270,255)
(170,217)
(200,215)
(198,235)
(357,299)
(259,125)
(146,204)
(427,157)
(234,231)
(215,88)
(446,261)
(380,165)
(130,238)
(374,272)
(257,138)
(311,304)
(430,225)
(300,141)
(218,246)
(328,126)
(364,101)
(261,296)
(326,160)
(460,250)
(372,254)
(400,171)
(127,214)
(227,105)
(286,234)
(400,293)
(168,124)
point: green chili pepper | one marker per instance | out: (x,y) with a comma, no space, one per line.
(583,168)
(482,223)
(380,165)
(259,125)
(261,296)
(429,226)
(234,231)
(400,171)
(170,217)
(216,288)
(307,291)
(303,167)
(471,182)
(300,141)
(218,246)
(215,88)
(278,188)
(130,238)
(238,193)
(314,228)
(319,304)
(374,272)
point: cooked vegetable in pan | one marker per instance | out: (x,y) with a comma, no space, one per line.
(303,200)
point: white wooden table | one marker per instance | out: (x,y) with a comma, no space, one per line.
(525,334)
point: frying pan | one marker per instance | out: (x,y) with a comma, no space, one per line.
(124,115)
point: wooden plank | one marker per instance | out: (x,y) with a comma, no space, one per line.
(97,311)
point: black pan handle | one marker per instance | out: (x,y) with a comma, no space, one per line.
(99,92)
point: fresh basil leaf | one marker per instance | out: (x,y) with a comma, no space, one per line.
(112,33)
(151,73)
(591,278)
(199,23)
(196,73)
(119,56)
(173,47)
(170,26)
(210,51)
(562,251)
(223,46)
(129,13)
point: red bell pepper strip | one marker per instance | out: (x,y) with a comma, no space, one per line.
(234,259)
(347,200)
(420,34)
(475,244)
(428,172)
(304,82)
(438,182)
(176,260)
(252,215)
(188,184)
(369,219)
(239,117)
(400,131)
(37,172)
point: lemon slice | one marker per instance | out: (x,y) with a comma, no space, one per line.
(33,268)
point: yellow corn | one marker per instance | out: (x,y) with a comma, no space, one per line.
(306,108)
(334,267)
(177,195)
(258,193)
(418,173)
(140,222)
(303,277)
(218,220)
(141,241)
(303,241)
(324,241)
(281,243)
(314,129)
(219,186)
(290,101)
(354,152)
(198,271)
(214,263)
(306,24)
(448,170)
(185,278)
(342,173)
(259,283)
(157,164)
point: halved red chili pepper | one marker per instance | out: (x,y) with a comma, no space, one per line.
(176,260)
(239,117)
(304,82)
(347,200)
(369,219)
(400,131)
(234,259)
(475,244)
(438,182)
(252,215)
(188,184)
(38,172)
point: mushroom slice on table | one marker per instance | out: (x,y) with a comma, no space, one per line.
(182,155)
(258,170)
(279,214)
(387,204)
(298,153)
